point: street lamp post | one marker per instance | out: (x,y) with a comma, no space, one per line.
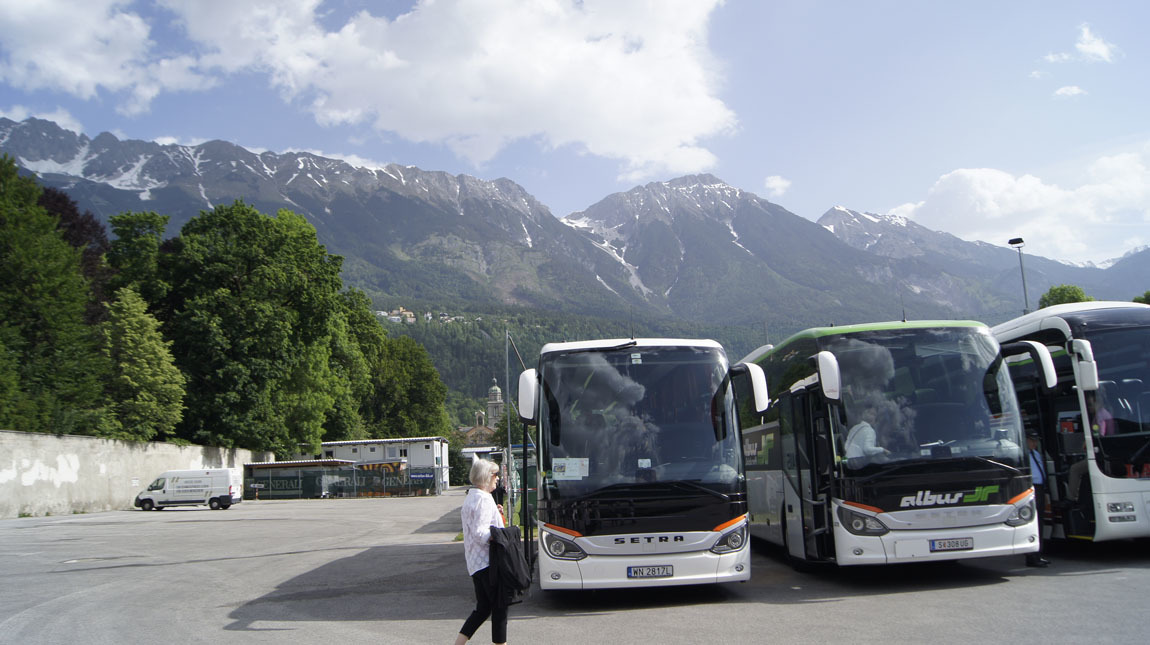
(1018,244)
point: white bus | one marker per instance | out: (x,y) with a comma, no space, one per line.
(1095,424)
(640,473)
(890,442)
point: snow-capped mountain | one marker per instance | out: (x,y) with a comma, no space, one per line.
(403,231)
(705,246)
(993,268)
(693,248)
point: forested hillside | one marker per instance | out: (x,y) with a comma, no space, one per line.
(469,352)
(238,332)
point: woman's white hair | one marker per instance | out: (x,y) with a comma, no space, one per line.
(482,470)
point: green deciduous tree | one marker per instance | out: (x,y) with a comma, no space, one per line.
(52,365)
(1063,294)
(1144,298)
(135,254)
(253,303)
(406,396)
(83,232)
(414,394)
(145,389)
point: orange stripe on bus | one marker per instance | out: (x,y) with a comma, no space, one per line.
(1021,496)
(873,509)
(727,525)
(563,530)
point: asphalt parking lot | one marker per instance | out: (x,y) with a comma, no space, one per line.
(388,570)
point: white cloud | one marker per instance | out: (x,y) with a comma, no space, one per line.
(777,185)
(1038,74)
(176,141)
(1101,219)
(628,81)
(1093,48)
(354,160)
(62,117)
(1089,47)
(633,82)
(1069,91)
(80,48)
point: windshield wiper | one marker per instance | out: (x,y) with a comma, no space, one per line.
(1138,453)
(887,469)
(647,487)
(683,483)
(613,348)
(987,460)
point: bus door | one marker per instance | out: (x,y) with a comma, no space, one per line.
(808,472)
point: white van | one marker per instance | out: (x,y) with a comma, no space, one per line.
(219,488)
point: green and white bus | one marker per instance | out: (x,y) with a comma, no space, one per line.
(890,442)
(1095,423)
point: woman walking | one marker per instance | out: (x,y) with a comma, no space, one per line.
(480,513)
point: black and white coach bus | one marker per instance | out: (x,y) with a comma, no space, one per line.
(1095,424)
(641,477)
(890,442)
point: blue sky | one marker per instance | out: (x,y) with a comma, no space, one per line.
(988,120)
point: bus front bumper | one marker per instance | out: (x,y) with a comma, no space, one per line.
(935,544)
(610,571)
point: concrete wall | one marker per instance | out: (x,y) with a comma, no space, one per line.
(43,474)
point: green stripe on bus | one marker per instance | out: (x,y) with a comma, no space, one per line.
(822,332)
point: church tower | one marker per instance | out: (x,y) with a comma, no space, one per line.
(494,403)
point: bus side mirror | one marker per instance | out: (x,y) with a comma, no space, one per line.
(1086,370)
(829,375)
(758,384)
(528,388)
(1041,357)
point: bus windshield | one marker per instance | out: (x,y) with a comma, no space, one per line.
(638,420)
(1120,409)
(924,394)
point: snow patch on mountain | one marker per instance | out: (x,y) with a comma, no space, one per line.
(132,178)
(73,167)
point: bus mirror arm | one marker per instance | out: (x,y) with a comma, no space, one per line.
(758,384)
(1041,357)
(829,375)
(528,387)
(1086,372)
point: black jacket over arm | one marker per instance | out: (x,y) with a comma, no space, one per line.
(509,575)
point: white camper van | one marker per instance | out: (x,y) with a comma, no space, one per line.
(219,488)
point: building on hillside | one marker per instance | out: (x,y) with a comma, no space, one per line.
(400,315)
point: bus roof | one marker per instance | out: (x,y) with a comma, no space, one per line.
(1064,317)
(611,343)
(822,332)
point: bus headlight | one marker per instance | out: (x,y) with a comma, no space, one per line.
(860,524)
(1120,507)
(732,541)
(1021,514)
(561,549)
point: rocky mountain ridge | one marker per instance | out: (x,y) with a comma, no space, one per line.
(692,248)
